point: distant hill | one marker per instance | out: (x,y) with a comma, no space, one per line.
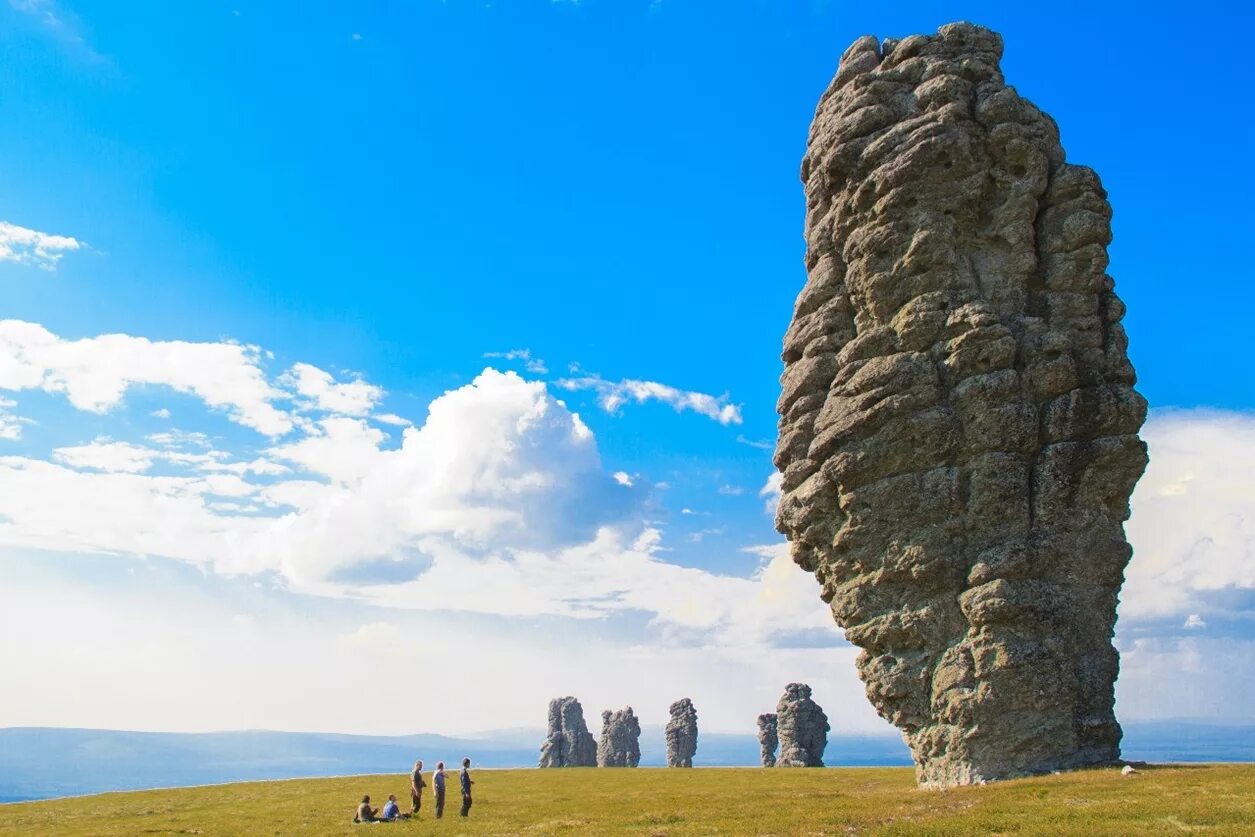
(38,763)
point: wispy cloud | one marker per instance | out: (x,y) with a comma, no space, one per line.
(701,534)
(95,373)
(353,398)
(612,395)
(32,247)
(10,425)
(771,491)
(58,21)
(532,364)
(760,444)
(43,10)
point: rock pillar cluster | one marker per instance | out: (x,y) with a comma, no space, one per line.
(681,734)
(958,424)
(768,738)
(568,742)
(803,728)
(620,744)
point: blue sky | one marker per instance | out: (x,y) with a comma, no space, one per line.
(390,193)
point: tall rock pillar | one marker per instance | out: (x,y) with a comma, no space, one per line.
(958,424)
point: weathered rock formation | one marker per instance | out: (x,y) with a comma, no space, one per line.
(569,743)
(767,738)
(620,744)
(803,728)
(682,734)
(958,432)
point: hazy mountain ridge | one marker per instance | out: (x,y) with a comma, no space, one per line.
(37,763)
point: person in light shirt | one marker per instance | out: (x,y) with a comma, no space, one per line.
(392,811)
(365,813)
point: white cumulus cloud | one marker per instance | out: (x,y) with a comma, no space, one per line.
(1193,524)
(497,503)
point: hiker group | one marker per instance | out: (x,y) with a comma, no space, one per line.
(392,812)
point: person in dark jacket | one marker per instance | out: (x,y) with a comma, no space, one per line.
(417,784)
(465,778)
(437,785)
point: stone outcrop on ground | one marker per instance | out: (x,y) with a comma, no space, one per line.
(768,738)
(959,429)
(681,732)
(802,727)
(620,744)
(568,742)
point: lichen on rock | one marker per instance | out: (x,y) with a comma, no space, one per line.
(568,742)
(620,739)
(958,432)
(681,733)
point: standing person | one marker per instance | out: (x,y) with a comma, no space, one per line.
(437,784)
(466,782)
(417,783)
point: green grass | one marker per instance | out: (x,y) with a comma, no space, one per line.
(1213,799)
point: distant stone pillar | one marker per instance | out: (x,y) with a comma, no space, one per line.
(803,728)
(568,742)
(681,734)
(767,738)
(620,744)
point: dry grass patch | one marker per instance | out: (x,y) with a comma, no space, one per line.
(1214,800)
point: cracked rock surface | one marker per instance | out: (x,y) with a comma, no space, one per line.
(958,424)
(568,742)
(768,738)
(620,739)
(681,732)
(803,728)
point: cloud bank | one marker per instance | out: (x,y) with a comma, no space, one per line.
(496,503)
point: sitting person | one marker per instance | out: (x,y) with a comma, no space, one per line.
(392,811)
(365,813)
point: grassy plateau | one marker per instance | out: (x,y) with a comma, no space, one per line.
(1205,799)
